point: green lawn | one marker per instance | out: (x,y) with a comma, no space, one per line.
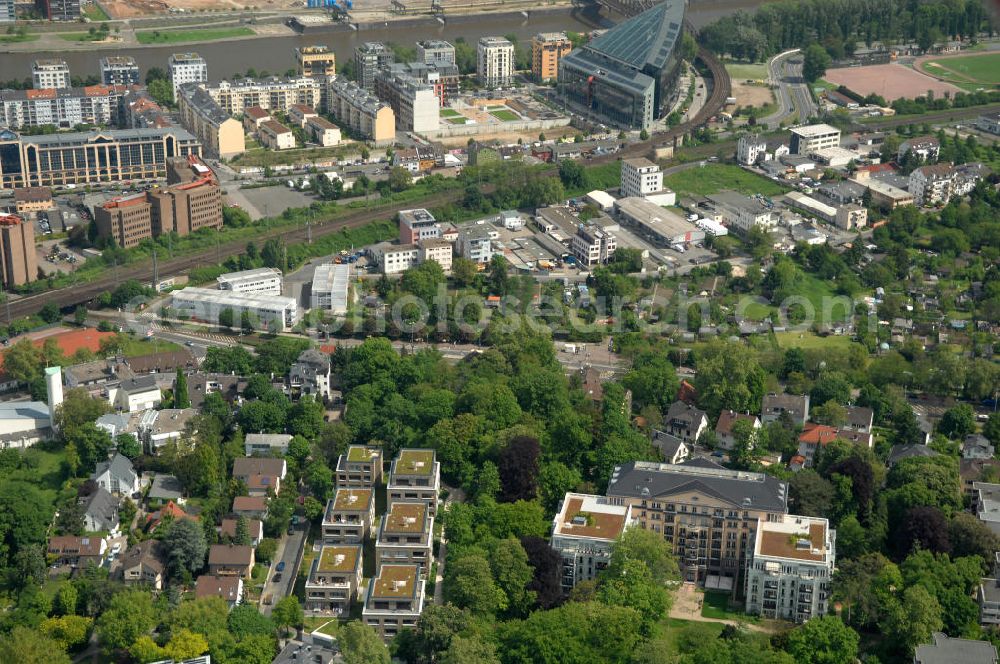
(505,116)
(458,121)
(43,469)
(17,39)
(449,113)
(811,340)
(94,12)
(203,35)
(137,347)
(742,72)
(716,605)
(981,69)
(713,178)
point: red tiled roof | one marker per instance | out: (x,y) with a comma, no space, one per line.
(817,434)
(687,393)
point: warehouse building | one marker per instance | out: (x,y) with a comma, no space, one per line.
(265,311)
(261,281)
(658,225)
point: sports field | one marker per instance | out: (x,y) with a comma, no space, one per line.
(888,81)
(982,69)
(504,115)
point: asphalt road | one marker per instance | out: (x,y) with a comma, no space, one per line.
(792,92)
(291,555)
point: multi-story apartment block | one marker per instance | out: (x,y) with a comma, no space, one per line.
(361,111)
(640,177)
(221,134)
(360,467)
(583,532)
(395,599)
(276,136)
(475,244)
(62,107)
(435,51)
(988,596)
(7,13)
(322,131)
(334,579)
(119,70)
(708,514)
(437,250)
(270,94)
(18,258)
(396,258)
(547,49)
(186,68)
(809,139)
(59,10)
(751,149)
(50,73)
(928,148)
(495,62)
(127,220)
(851,216)
(369,59)
(932,184)
(107,155)
(140,111)
(790,568)
(415,475)
(315,61)
(406,535)
(592,245)
(442,77)
(417,224)
(349,516)
(416,104)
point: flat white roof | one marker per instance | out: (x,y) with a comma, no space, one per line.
(333,279)
(602,197)
(251,300)
(803,201)
(249,275)
(812,131)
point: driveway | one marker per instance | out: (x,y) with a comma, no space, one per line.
(289,552)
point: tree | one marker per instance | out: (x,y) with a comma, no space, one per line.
(729,378)
(470,650)
(512,574)
(546,581)
(958,422)
(23,362)
(630,584)
(498,279)
(146,650)
(185,644)
(913,620)
(162,92)
(50,312)
(518,466)
(184,547)
(815,62)
(25,514)
(463,272)
(823,640)
(653,380)
(70,631)
(810,494)
(232,360)
(649,548)
(572,174)
(288,613)
(181,397)
(242,534)
(129,616)
(399,179)
(924,527)
(64,602)
(361,645)
(127,445)
(226,318)
(245,620)
(24,644)
(468,583)
(969,537)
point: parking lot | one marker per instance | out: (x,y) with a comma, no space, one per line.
(54,256)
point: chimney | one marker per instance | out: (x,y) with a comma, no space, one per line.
(54,391)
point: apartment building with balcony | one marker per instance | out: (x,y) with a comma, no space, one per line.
(394,599)
(334,579)
(406,535)
(271,94)
(415,475)
(584,531)
(360,467)
(416,104)
(361,111)
(790,569)
(315,61)
(547,49)
(349,516)
(708,514)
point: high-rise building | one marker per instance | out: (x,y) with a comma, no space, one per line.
(640,177)
(186,208)
(443,77)
(50,73)
(119,70)
(416,105)
(315,61)
(435,52)
(624,77)
(547,49)
(186,68)
(59,10)
(18,262)
(495,62)
(369,58)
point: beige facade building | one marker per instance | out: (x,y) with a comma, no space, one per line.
(349,516)
(272,94)
(406,535)
(334,579)
(547,48)
(127,220)
(300,113)
(495,62)
(361,111)
(438,250)
(230,560)
(315,61)
(221,134)
(18,261)
(322,131)
(395,599)
(415,475)
(360,467)
(33,199)
(276,136)
(253,118)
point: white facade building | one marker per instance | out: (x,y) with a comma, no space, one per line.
(640,177)
(750,150)
(186,68)
(396,258)
(583,532)
(263,281)
(790,568)
(592,245)
(50,73)
(266,444)
(932,184)
(329,288)
(808,139)
(474,243)
(436,249)
(495,62)
(265,311)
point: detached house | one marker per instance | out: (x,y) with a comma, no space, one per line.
(117,476)
(724,428)
(685,421)
(254,526)
(144,564)
(250,506)
(261,475)
(100,511)
(310,374)
(796,406)
(229,588)
(230,560)
(136,394)
(77,551)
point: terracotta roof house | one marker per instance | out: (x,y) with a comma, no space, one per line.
(260,474)
(77,551)
(254,526)
(171,510)
(250,506)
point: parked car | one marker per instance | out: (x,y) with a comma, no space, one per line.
(277,578)
(281,566)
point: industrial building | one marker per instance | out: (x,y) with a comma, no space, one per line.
(259,281)
(657,224)
(361,111)
(547,49)
(265,311)
(18,261)
(330,287)
(584,530)
(807,140)
(625,76)
(221,134)
(811,206)
(495,62)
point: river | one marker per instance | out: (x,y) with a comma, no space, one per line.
(277,54)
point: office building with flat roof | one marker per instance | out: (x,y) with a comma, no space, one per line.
(119,70)
(625,77)
(417,224)
(369,59)
(495,62)
(547,49)
(59,10)
(186,208)
(315,61)
(127,220)
(584,530)
(394,600)
(334,579)
(265,311)
(262,281)
(330,285)
(18,260)
(50,73)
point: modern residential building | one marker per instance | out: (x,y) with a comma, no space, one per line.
(261,281)
(851,216)
(18,256)
(369,59)
(59,10)
(315,61)
(396,258)
(927,148)
(406,536)
(415,475)
(228,588)
(592,245)
(625,77)
(230,560)
(708,514)
(790,569)
(119,70)
(322,132)
(435,51)
(271,94)
(443,78)
(221,134)
(948,650)
(361,111)
(253,118)
(349,516)
(438,250)
(186,68)
(742,212)
(416,105)
(751,149)
(394,600)
(988,597)
(266,444)
(794,405)
(330,286)
(810,138)
(475,244)
(547,49)
(204,304)
(276,136)
(495,62)
(298,114)
(584,531)
(657,224)
(50,73)
(932,184)
(334,579)
(724,433)
(417,224)
(62,107)
(359,467)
